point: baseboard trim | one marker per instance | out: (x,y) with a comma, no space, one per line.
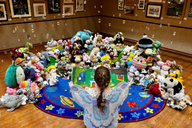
(162,48)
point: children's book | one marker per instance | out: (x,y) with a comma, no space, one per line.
(85,77)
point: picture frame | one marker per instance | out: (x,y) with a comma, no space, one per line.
(3,12)
(67,1)
(190,10)
(154,11)
(54,6)
(20,9)
(130,10)
(67,10)
(39,9)
(174,9)
(120,5)
(79,5)
(155,1)
(141,5)
(131,2)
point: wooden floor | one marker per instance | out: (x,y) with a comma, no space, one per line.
(29,116)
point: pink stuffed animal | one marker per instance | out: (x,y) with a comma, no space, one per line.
(165,67)
(11,91)
(34,88)
(38,77)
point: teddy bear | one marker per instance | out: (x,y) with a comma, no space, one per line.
(98,41)
(155,90)
(77,49)
(77,60)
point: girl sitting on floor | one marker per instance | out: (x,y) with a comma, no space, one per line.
(101,111)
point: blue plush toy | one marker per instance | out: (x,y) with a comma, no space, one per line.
(83,36)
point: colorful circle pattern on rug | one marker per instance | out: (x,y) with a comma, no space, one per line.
(139,105)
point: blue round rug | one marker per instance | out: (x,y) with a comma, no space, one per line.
(139,105)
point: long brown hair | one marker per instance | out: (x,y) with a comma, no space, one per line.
(102,78)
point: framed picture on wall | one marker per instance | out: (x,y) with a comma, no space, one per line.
(131,1)
(159,1)
(120,5)
(67,1)
(39,9)
(190,10)
(54,6)
(68,10)
(175,9)
(141,5)
(79,5)
(3,14)
(20,8)
(130,9)
(153,11)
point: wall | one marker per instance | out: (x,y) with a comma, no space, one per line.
(135,26)
(14,32)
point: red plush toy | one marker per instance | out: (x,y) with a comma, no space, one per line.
(155,90)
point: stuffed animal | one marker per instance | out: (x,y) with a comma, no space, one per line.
(26,49)
(24,84)
(183,102)
(11,91)
(174,89)
(83,35)
(15,53)
(14,76)
(118,38)
(77,49)
(176,67)
(88,46)
(34,88)
(50,44)
(105,61)
(60,43)
(165,67)
(19,61)
(128,49)
(98,41)
(86,59)
(40,55)
(61,71)
(139,62)
(12,102)
(149,63)
(131,56)
(155,90)
(67,46)
(124,60)
(47,56)
(36,62)
(38,77)
(145,42)
(149,85)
